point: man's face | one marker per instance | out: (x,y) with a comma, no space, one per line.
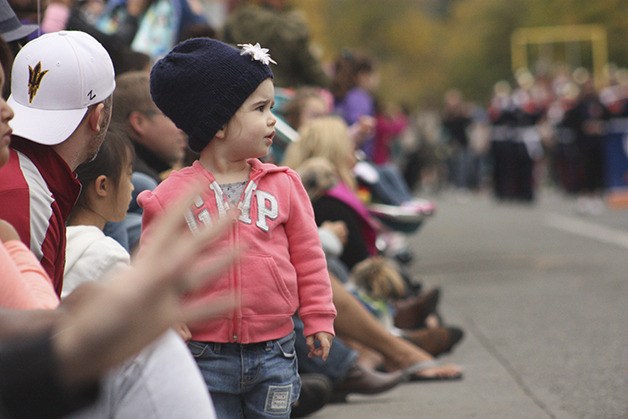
(161,136)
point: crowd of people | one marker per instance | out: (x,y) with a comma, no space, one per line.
(170,249)
(267,306)
(212,223)
(556,128)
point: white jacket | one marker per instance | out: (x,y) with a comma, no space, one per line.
(89,256)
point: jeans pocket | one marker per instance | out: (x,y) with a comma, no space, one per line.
(198,349)
(286,346)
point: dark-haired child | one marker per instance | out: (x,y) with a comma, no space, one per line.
(222,98)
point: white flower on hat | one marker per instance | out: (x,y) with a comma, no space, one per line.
(257,53)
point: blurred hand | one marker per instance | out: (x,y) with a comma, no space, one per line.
(183,331)
(114,319)
(324,340)
(339,228)
(362,129)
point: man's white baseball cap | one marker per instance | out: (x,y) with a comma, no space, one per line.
(55,78)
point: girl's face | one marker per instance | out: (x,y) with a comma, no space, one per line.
(123,192)
(249,133)
(368,80)
(313,108)
(6,114)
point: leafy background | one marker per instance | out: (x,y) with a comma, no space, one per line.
(424,47)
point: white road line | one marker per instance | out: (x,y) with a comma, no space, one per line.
(585,229)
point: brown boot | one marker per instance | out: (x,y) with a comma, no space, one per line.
(315,393)
(412,312)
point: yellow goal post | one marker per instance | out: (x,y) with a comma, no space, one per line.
(595,34)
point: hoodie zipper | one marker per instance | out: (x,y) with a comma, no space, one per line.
(237,285)
(235,270)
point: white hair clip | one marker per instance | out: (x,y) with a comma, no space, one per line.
(257,53)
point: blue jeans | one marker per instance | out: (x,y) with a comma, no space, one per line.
(390,187)
(258,380)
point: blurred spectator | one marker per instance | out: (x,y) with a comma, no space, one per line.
(327,139)
(391,121)
(456,122)
(587,120)
(134,32)
(515,139)
(11,28)
(285,33)
(355,78)
(385,182)
(423,151)
(13,32)
(151,27)
(159,147)
(375,281)
(306,104)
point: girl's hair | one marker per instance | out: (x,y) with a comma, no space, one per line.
(346,71)
(114,155)
(379,278)
(326,137)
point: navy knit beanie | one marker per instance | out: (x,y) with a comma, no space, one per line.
(202,82)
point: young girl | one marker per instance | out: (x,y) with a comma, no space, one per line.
(170,374)
(222,98)
(105,196)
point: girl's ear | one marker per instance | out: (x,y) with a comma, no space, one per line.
(101,186)
(220,133)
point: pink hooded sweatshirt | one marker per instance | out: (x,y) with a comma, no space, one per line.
(283,267)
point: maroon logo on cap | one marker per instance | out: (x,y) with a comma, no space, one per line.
(34,80)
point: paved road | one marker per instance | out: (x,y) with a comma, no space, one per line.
(541,293)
